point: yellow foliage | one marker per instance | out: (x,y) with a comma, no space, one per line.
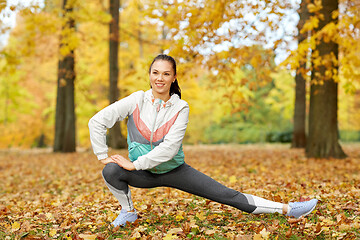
(212,82)
(310,24)
(335,14)
(329,33)
(315,7)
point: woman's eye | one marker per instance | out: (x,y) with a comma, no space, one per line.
(154,72)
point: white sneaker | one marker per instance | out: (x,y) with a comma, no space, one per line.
(299,209)
(125,217)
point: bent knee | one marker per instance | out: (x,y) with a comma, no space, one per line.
(111,172)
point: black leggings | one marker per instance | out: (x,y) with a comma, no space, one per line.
(184,178)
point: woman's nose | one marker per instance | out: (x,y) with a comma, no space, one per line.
(160,77)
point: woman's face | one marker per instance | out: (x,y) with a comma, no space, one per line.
(161,76)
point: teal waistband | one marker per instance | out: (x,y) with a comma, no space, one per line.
(137,149)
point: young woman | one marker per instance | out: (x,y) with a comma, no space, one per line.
(157,121)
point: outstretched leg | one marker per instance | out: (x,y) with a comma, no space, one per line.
(192,181)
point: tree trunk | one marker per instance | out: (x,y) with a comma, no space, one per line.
(65,107)
(299,136)
(69,135)
(115,137)
(323,125)
(60,111)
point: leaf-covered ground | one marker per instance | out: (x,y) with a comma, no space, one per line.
(62,196)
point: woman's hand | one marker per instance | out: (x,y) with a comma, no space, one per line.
(107,160)
(123,162)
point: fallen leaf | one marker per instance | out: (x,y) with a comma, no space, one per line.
(174,231)
(88,236)
(135,235)
(344,227)
(15,226)
(232,179)
(170,237)
(210,232)
(201,216)
(264,233)
(52,232)
(294,220)
(318,229)
(179,218)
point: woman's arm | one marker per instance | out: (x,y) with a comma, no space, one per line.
(106,118)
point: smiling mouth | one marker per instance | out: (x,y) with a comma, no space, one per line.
(159,84)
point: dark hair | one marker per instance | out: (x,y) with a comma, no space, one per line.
(174,88)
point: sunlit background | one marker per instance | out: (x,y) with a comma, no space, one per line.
(248,99)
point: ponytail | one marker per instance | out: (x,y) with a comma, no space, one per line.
(175,88)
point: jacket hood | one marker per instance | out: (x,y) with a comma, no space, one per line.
(150,97)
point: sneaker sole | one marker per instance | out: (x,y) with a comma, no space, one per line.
(124,224)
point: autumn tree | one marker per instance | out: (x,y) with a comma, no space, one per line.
(218,35)
(323,120)
(65,105)
(299,136)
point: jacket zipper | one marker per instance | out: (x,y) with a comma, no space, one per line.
(153,127)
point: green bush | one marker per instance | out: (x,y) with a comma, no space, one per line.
(349,135)
(283,137)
